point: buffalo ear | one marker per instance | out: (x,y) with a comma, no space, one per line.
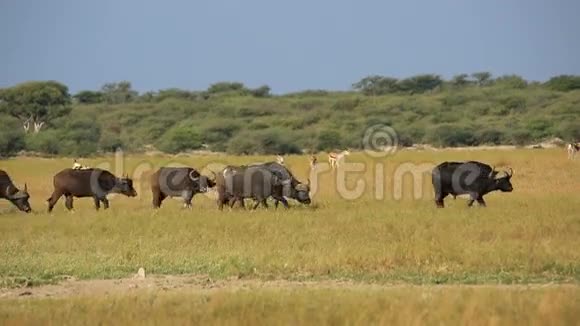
(308,182)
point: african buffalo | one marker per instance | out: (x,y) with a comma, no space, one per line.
(291,187)
(94,183)
(234,183)
(473,178)
(178,182)
(9,191)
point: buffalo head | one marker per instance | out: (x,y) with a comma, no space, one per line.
(203,183)
(124,186)
(302,193)
(20,199)
(503,183)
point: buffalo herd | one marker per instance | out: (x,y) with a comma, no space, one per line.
(257,182)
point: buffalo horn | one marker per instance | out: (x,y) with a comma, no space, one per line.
(492,173)
(192,177)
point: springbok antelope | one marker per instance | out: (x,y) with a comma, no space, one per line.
(280,159)
(572,149)
(335,159)
(313,161)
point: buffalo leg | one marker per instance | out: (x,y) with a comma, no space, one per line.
(105,202)
(97,202)
(439,200)
(264,202)
(158,198)
(481,202)
(238,199)
(53,200)
(256,203)
(232,202)
(69,202)
(187,197)
(221,202)
(472,198)
(283,201)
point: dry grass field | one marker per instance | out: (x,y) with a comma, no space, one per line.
(379,254)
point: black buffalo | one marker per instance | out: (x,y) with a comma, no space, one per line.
(235,183)
(473,178)
(9,191)
(178,182)
(95,183)
(291,187)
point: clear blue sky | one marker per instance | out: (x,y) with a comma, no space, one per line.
(289,45)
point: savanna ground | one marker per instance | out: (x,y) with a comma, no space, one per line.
(345,259)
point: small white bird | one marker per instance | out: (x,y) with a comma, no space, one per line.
(78,166)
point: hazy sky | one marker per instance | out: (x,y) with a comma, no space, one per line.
(289,45)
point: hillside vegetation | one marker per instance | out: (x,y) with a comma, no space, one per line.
(465,111)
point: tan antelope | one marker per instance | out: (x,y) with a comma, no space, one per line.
(335,159)
(572,149)
(313,161)
(280,159)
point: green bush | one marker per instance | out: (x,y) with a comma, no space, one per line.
(520,137)
(329,139)
(452,135)
(511,81)
(267,141)
(11,136)
(45,142)
(110,142)
(570,131)
(80,137)
(514,103)
(539,128)
(564,83)
(182,137)
(490,136)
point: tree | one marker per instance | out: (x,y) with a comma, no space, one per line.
(376,85)
(482,78)
(262,91)
(116,93)
(420,83)
(88,97)
(35,103)
(460,80)
(223,87)
(564,83)
(511,81)
(175,93)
